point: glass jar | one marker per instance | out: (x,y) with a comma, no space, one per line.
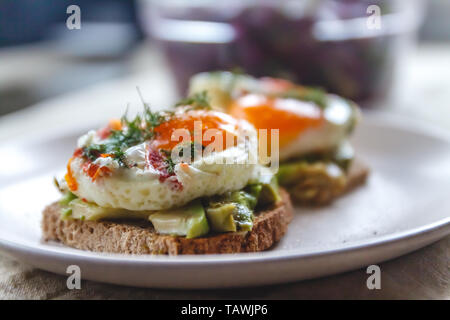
(340,45)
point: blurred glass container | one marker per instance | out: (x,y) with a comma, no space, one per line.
(326,43)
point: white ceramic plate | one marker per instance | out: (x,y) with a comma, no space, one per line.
(404,206)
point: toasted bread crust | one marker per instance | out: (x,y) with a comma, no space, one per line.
(132,238)
(326,190)
(356,175)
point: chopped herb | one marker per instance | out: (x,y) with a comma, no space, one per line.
(119,155)
(152,119)
(135,131)
(94,151)
(56,183)
(170,165)
(166,152)
(198,100)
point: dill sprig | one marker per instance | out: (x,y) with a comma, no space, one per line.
(134,131)
(170,165)
(199,100)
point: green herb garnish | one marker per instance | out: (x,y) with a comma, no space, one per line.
(170,165)
(198,100)
(136,131)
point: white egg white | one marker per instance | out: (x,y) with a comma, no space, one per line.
(140,187)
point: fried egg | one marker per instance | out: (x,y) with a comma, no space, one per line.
(305,126)
(143,177)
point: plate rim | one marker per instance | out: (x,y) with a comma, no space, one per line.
(442,225)
(373,117)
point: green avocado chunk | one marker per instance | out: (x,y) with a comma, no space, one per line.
(233,211)
(67,198)
(92,212)
(292,173)
(243,217)
(269,193)
(230,216)
(289,173)
(221,218)
(312,182)
(331,166)
(189,221)
(244,198)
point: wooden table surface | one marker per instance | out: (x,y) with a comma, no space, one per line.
(424,274)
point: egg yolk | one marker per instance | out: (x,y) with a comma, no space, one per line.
(195,122)
(292,117)
(71,181)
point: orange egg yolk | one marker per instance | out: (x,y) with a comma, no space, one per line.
(292,117)
(196,122)
(71,181)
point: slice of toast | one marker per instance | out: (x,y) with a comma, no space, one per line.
(320,190)
(357,175)
(132,237)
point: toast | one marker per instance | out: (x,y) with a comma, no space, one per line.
(133,237)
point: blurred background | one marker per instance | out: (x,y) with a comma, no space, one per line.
(326,43)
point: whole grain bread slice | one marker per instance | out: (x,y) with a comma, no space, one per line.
(133,237)
(356,176)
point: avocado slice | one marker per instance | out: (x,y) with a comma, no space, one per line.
(82,210)
(291,173)
(312,182)
(243,218)
(221,218)
(269,193)
(233,211)
(189,221)
(67,198)
(230,216)
(244,198)
(288,173)
(254,190)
